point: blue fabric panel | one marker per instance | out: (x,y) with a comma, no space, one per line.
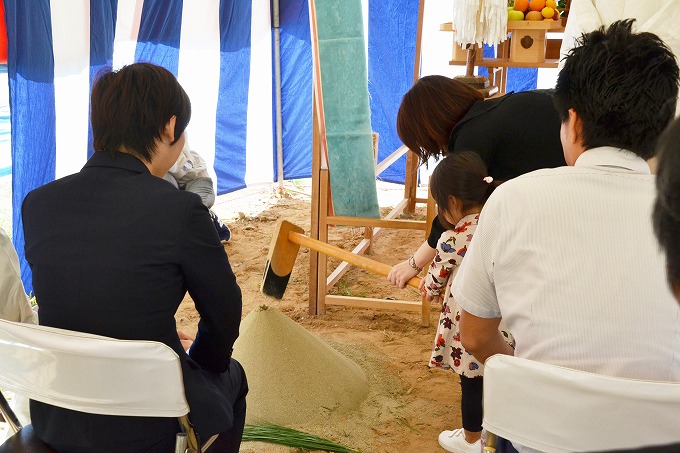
(522,79)
(31,83)
(296,90)
(232,100)
(519,79)
(159,33)
(344,79)
(392,29)
(102,31)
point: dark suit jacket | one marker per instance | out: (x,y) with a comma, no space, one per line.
(113,250)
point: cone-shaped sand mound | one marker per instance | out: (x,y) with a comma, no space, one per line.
(292,374)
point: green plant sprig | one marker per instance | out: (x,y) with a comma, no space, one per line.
(281,435)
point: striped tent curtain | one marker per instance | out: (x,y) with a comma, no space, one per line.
(221,51)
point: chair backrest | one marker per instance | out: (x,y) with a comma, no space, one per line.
(91,373)
(556,409)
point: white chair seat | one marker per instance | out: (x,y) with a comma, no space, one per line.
(90,373)
(555,409)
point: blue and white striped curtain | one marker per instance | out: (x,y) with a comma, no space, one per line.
(221,52)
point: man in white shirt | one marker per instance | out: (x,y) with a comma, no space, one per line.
(667,206)
(14,304)
(567,256)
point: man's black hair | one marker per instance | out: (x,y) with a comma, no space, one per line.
(623,85)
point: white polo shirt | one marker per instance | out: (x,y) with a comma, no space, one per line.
(568,258)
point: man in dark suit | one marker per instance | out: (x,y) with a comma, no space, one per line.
(114,249)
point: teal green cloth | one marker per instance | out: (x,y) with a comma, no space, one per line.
(344,81)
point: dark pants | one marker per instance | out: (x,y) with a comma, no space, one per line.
(236,384)
(504,446)
(471,403)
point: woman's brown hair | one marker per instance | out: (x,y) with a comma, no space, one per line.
(430,110)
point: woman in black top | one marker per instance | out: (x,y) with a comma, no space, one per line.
(514,134)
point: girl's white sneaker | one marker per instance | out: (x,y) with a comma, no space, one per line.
(454,441)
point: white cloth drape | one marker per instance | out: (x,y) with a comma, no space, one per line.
(480,21)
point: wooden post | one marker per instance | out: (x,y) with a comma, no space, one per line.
(314,222)
(471,57)
(412,161)
(320,192)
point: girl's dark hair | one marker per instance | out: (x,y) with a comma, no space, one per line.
(460,175)
(430,110)
(666,216)
(131,106)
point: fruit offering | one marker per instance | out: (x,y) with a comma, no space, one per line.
(533,10)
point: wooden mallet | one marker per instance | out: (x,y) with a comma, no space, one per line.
(283,251)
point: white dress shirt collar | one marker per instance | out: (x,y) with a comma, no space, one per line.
(615,159)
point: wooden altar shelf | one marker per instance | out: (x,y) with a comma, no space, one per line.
(530,44)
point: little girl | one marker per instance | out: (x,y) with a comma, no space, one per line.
(460,186)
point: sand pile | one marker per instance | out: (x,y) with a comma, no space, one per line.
(293,375)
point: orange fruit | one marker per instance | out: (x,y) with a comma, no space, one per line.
(551,3)
(548,12)
(536,5)
(534,15)
(521,5)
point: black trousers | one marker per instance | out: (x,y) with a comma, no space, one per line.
(230,441)
(471,403)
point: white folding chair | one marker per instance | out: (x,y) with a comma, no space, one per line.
(555,409)
(89,373)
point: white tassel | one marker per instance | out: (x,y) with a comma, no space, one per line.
(465,13)
(480,21)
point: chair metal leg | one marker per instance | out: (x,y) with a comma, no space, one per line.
(181,443)
(9,415)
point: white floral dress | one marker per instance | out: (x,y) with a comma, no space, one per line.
(447,351)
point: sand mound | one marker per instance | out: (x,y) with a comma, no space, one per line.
(292,374)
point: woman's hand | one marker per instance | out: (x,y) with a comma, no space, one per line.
(401,273)
(186,340)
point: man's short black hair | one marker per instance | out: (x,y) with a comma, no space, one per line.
(131,106)
(666,215)
(623,85)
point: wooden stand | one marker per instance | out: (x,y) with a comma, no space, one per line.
(319,282)
(528,40)
(529,45)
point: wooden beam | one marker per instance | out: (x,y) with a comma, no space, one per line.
(389,160)
(400,224)
(367,302)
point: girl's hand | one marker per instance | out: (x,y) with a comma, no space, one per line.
(401,273)
(423,291)
(421,288)
(186,340)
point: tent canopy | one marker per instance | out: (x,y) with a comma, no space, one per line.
(221,52)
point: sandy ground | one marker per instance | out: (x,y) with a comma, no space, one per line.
(408,403)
